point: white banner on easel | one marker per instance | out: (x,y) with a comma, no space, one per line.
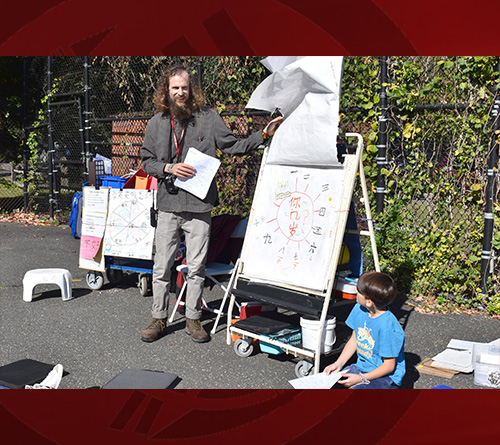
(293,227)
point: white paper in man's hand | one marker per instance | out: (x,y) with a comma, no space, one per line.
(316,381)
(206,167)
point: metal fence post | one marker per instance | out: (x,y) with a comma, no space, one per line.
(87,89)
(50,161)
(487,254)
(25,135)
(382,138)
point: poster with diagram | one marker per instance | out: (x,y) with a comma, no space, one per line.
(293,225)
(94,212)
(129,232)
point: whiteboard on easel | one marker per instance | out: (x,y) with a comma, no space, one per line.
(303,193)
(293,225)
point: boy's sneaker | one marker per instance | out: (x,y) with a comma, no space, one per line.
(196,331)
(156,329)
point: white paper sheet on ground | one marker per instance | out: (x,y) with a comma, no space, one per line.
(316,381)
(454,359)
(469,345)
(307,92)
(206,168)
(461,345)
(489,359)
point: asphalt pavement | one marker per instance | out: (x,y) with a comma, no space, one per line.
(96,334)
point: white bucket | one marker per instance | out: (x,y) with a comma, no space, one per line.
(310,330)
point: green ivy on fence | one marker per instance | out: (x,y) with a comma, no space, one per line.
(430,233)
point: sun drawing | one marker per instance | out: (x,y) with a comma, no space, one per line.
(298,219)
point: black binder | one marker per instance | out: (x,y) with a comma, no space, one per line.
(142,379)
(18,374)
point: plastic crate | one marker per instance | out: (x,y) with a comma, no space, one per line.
(486,360)
(291,337)
(115,182)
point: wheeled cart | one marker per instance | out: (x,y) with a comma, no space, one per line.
(117,235)
(272,339)
(116,266)
(275,338)
(273,254)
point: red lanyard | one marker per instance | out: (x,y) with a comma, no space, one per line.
(178,142)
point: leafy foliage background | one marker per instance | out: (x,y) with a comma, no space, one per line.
(430,233)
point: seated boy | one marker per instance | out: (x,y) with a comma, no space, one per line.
(377,338)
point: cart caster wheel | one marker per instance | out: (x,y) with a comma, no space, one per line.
(143,284)
(243,348)
(303,368)
(94,279)
(114,276)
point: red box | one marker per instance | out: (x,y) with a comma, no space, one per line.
(254,308)
(141,180)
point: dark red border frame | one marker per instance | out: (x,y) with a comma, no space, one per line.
(249,416)
(217,27)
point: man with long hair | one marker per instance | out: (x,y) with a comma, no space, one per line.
(182,121)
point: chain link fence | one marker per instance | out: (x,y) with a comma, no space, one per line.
(20,105)
(101,105)
(439,132)
(110,121)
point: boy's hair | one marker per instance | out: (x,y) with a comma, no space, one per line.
(378,287)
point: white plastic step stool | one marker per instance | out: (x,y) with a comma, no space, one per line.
(61,277)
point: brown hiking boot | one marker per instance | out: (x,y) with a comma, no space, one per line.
(196,331)
(156,329)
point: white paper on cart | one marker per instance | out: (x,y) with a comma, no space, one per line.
(93,224)
(206,167)
(95,200)
(316,381)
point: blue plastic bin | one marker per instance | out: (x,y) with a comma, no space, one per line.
(116,182)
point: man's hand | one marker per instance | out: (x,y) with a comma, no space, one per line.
(183,171)
(272,126)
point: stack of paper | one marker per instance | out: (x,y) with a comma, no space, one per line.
(458,355)
(459,360)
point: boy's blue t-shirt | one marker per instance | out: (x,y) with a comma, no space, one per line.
(378,338)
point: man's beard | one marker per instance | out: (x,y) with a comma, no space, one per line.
(179,113)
